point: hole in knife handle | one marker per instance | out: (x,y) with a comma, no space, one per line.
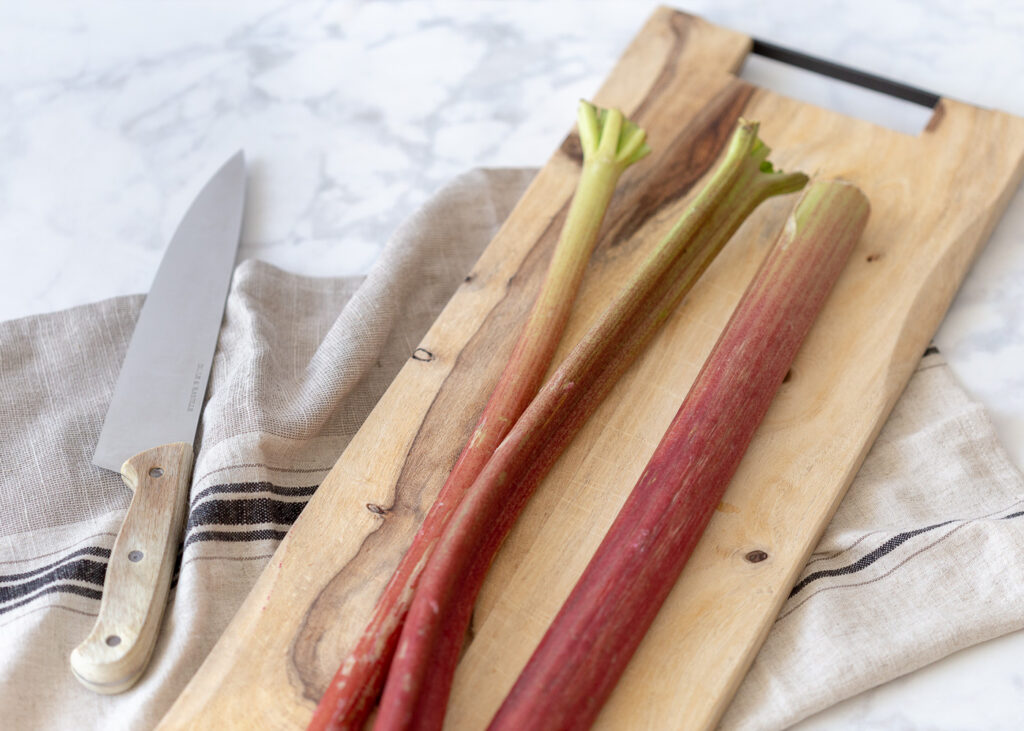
(135,556)
(113,640)
(156,472)
(854,93)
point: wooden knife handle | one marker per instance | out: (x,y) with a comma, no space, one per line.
(118,649)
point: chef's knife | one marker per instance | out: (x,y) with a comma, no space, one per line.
(151,424)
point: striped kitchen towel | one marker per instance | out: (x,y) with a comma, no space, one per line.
(920,560)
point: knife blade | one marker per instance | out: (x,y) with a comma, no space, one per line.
(150,428)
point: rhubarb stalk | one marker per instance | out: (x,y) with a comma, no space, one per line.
(610,144)
(419,679)
(586,648)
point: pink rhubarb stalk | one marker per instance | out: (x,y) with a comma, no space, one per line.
(586,648)
(419,680)
(610,144)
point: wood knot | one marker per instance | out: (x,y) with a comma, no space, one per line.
(422,354)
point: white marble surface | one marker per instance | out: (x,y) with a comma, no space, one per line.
(352,114)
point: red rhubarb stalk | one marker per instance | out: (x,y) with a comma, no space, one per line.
(419,679)
(586,648)
(610,144)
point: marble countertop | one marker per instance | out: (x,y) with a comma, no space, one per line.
(352,113)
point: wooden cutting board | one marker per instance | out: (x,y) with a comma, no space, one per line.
(935,198)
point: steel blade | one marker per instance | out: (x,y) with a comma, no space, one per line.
(162,383)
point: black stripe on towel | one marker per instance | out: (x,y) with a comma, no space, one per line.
(246,487)
(247,511)
(63,588)
(86,570)
(867,559)
(269,518)
(886,548)
(87,551)
(236,536)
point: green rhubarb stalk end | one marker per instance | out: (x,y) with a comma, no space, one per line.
(770,182)
(608,137)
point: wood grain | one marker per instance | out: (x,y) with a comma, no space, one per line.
(935,198)
(116,652)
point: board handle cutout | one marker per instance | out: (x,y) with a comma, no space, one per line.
(848,91)
(845,73)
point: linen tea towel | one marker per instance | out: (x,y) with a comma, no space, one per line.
(300,363)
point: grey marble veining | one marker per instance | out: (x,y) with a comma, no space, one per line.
(112,114)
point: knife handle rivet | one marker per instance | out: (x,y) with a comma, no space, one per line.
(156,472)
(113,640)
(135,556)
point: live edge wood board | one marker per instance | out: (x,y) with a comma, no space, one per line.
(935,198)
